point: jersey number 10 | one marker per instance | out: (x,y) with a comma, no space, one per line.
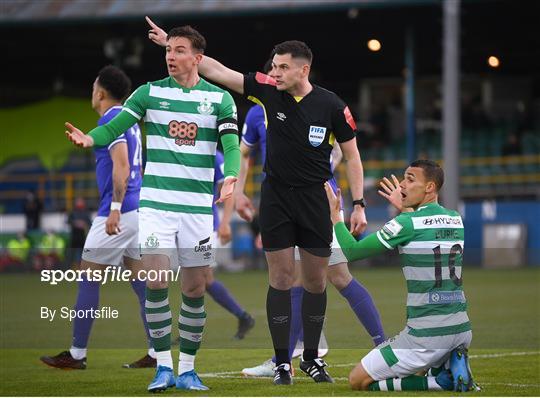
(454,251)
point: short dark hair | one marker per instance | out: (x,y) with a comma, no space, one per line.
(198,42)
(432,171)
(297,49)
(115,81)
(267,66)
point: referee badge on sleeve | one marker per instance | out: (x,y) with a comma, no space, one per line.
(316,135)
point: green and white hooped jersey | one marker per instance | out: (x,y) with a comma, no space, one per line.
(182,130)
(430,243)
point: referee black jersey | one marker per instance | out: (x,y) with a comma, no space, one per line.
(300,135)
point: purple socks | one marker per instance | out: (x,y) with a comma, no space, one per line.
(223,297)
(87,299)
(362,304)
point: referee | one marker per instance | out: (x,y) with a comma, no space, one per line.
(304,121)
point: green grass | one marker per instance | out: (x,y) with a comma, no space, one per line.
(504,309)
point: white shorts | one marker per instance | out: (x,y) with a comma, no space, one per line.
(336,256)
(104,249)
(404,355)
(185,235)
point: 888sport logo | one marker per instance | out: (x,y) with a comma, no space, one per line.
(184,133)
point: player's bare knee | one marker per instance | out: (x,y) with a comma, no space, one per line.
(359,379)
(208,277)
(281,279)
(315,286)
(314,282)
(357,383)
(157,284)
(339,276)
(194,290)
(354,381)
(282,282)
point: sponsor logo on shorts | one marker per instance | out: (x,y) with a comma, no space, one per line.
(204,246)
(446,297)
(184,133)
(152,242)
(316,135)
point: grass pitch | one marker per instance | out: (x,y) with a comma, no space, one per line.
(504,310)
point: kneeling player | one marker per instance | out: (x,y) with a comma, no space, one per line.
(430,243)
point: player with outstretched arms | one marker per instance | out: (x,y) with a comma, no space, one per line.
(184,116)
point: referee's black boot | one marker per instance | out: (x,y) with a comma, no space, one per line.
(315,370)
(282,374)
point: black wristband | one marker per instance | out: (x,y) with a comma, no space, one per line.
(360,202)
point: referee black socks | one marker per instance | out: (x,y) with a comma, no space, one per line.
(313,313)
(278,311)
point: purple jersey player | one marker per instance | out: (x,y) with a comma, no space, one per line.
(113,237)
(104,167)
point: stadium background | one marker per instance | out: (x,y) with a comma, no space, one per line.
(52,51)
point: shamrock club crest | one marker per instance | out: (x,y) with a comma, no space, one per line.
(205,107)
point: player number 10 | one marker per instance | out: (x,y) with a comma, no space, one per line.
(454,251)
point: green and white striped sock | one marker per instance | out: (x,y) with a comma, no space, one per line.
(191,324)
(410,383)
(159,318)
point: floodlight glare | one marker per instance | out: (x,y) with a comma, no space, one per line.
(493,61)
(374,45)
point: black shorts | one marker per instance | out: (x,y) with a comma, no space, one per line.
(295,216)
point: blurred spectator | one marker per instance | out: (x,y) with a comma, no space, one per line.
(512,146)
(50,252)
(79,222)
(32,210)
(16,253)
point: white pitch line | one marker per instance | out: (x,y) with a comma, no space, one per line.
(237,375)
(502,355)
(479,356)
(220,375)
(510,385)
